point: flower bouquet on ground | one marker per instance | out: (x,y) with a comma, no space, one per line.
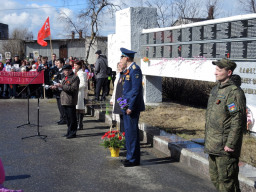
(114,141)
(146,59)
(122,103)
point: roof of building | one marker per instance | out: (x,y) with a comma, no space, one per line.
(186,20)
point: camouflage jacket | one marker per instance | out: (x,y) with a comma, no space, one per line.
(225,119)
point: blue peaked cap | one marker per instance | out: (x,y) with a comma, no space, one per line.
(127,53)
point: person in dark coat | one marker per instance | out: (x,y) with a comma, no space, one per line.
(68,97)
(100,70)
(58,76)
(133,94)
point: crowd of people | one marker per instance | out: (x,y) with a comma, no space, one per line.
(50,69)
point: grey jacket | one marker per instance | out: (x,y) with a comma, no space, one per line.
(69,93)
(101,67)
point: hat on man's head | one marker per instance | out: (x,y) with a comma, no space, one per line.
(98,52)
(67,67)
(127,53)
(225,63)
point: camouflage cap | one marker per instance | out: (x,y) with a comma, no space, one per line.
(225,63)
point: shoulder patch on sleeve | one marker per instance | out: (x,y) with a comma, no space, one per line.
(134,66)
(232,107)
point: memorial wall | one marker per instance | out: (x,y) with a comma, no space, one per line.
(234,40)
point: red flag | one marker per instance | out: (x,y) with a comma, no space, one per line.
(43,33)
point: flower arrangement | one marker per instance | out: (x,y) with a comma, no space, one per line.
(113,139)
(122,103)
(146,59)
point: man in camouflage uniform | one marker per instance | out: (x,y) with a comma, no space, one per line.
(225,122)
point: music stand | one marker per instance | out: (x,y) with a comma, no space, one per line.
(28,95)
(38,132)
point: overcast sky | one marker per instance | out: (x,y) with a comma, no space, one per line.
(32,14)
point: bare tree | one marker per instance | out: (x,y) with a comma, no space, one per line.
(188,8)
(212,7)
(166,13)
(89,19)
(249,6)
(21,34)
(94,9)
(15,43)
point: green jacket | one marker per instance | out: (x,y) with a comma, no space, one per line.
(225,120)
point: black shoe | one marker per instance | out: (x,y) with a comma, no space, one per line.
(65,135)
(130,164)
(71,136)
(62,123)
(124,161)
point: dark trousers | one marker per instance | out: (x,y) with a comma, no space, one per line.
(121,123)
(70,111)
(61,110)
(101,83)
(224,173)
(132,136)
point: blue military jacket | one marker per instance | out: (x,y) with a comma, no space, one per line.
(132,88)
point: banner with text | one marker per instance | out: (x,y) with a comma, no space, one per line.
(21,77)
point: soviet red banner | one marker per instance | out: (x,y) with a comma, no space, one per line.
(21,77)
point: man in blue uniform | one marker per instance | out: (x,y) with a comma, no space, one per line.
(132,92)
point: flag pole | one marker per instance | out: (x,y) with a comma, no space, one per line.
(51,44)
(51,55)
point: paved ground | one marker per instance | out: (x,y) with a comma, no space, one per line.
(80,164)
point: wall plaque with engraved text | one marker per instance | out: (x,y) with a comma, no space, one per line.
(159,51)
(176,51)
(159,37)
(186,34)
(176,35)
(238,29)
(238,50)
(251,28)
(186,51)
(197,33)
(208,50)
(222,49)
(152,52)
(209,32)
(152,38)
(197,50)
(222,30)
(251,49)
(167,52)
(167,36)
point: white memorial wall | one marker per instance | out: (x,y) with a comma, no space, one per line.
(132,23)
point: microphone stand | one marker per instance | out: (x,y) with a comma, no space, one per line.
(28,95)
(38,132)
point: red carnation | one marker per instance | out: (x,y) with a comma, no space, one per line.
(120,137)
(123,133)
(109,136)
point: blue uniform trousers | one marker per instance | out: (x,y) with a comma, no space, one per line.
(132,137)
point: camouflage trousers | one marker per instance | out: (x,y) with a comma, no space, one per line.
(224,173)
